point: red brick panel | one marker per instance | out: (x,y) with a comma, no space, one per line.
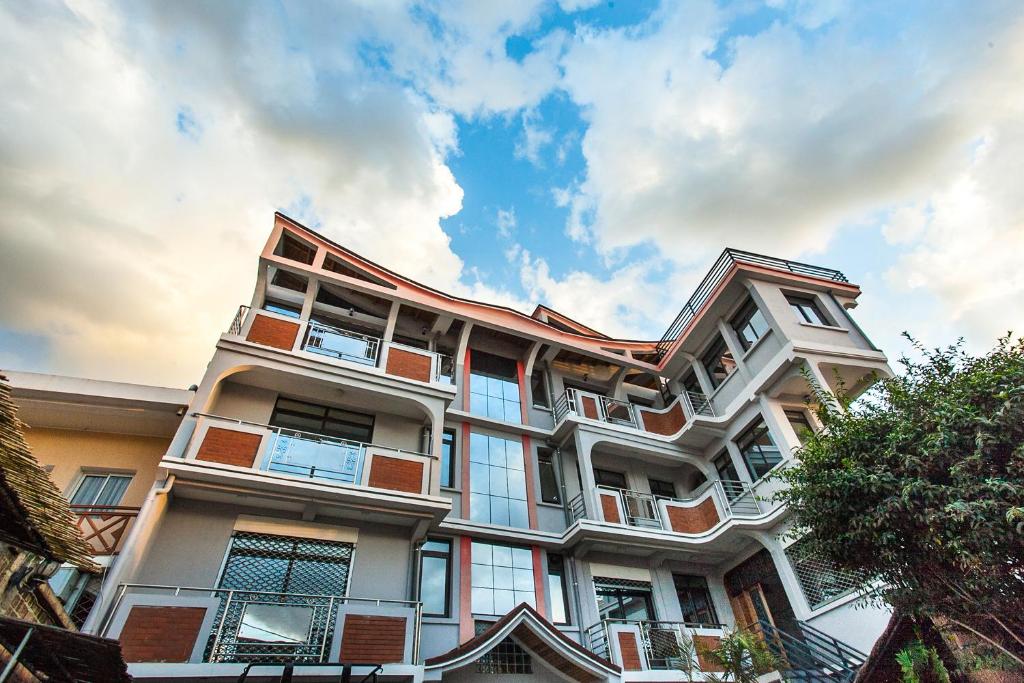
(589,407)
(396,474)
(610,508)
(666,423)
(408,364)
(273,332)
(229,447)
(693,520)
(161,634)
(704,645)
(629,652)
(373,639)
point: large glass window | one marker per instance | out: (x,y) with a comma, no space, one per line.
(749,324)
(101,489)
(615,480)
(665,489)
(539,389)
(557,590)
(759,451)
(502,577)
(317,419)
(695,599)
(718,361)
(497,481)
(436,577)
(318,441)
(807,310)
(448,457)
(549,491)
(494,387)
(725,467)
(624,599)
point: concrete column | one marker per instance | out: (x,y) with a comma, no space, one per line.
(733,343)
(436,440)
(702,377)
(460,365)
(586,465)
(665,598)
(389,327)
(781,431)
(737,461)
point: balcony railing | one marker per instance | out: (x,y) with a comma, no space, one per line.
(104,527)
(644,510)
(342,344)
(718,271)
(664,643)
(697,403)
(263,626)
(609,410)
(302,454)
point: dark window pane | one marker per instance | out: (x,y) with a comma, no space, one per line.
(435,577)
(759,451)
(807,310)
(549,492)
(615,480)
(798,420)
(556,587)
(662,488)
(448,457)
(749,324)
(695,599)
(718,361)
(539,389)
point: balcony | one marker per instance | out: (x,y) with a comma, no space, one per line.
(308,456)
(709,505)
(669,421)
(338,345)
(104,527)
(176,625)
(653,645)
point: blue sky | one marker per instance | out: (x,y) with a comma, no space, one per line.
(594,156)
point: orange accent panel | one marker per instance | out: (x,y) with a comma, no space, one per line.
(466,625)
(274,332)
(704,645)
(396,474)
(693,520)
(373,638)
(538,583)
(666,423)
(589,407)
(610,508)
(464,462)
(229,447)
(408,364)
(161,634)
(629,651)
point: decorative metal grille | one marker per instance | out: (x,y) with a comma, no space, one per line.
(279,598)
(506,657)
(821,580)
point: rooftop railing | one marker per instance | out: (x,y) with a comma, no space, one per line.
(718,271)
(665,643)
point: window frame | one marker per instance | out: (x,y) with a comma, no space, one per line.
(282,308)
(106,475)
(712,356)
(492,588)
(749,436)
(546,461)
(563,587)
(792,413)
(447,557)
(743,319)
(545,389)
(477,358)
(449,471)
(801,303)
(597,477)
(660,482)
(606,587)
(479,466)
(690,605)
(325,418)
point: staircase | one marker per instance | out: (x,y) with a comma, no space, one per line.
(812,656)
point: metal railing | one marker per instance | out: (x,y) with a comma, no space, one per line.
(103,527)
(811,655)
(315,456)
(444,371)
(343,344)
(266,626)
(665,643)
(239,322)
(698,403)
(606,409)
(714,277)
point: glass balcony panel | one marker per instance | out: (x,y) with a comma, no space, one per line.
(316,457)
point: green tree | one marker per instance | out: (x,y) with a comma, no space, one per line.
(919,485)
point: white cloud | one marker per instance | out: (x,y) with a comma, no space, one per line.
(534,138)
(505,220)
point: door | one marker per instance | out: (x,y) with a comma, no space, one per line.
(751,610)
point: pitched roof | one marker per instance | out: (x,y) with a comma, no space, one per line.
(539,636)
(33,513)
(61,656)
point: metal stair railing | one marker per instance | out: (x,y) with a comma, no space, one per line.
(813,656)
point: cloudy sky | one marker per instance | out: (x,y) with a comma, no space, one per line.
(595,156)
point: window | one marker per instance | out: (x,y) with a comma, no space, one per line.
(448,457)
(286,564)
(296,283)
(615,480)
(282,308)
(494,387)
(557,590)
(695,599)
(101,489)
(539,389)
(798,420)
(549,492)
(718,361)
(726,469)
(623,599)
(665,489)
(806,309)
(309,417)
(497,481)
(758,450)
(502,577)
(507,656)
(749,324)
(436,577)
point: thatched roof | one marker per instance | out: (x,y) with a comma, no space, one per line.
(33,513)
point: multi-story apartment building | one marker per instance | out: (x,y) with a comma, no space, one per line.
(377,474)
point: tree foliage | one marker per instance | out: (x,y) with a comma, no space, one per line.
(920,485)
